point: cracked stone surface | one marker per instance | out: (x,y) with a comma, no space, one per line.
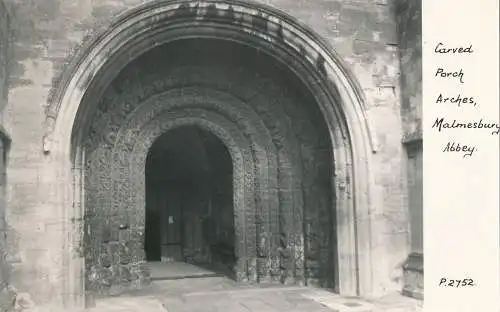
(219,294)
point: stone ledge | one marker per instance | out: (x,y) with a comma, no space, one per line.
(413,293)
(413,271)
(412,139)
(415,262)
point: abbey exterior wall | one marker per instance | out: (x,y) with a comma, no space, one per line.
(4,53)
(45,34)
(6,293)
(410,34)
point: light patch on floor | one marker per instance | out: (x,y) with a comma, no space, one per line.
(339,304)
(177,270)
(128,304)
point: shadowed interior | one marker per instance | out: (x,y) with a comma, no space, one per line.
(189,200)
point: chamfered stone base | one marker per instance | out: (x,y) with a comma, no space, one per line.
(413,274)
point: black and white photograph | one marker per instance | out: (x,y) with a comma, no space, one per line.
(216,155)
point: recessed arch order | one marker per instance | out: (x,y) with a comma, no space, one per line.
(267,29)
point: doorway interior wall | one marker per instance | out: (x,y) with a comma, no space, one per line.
(189,200)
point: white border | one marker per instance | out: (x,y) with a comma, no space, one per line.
(461,205)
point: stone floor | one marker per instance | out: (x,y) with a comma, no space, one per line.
(219,294)
(177,270)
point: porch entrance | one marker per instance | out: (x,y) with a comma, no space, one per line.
(189,205)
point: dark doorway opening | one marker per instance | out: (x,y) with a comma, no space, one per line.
(189,202)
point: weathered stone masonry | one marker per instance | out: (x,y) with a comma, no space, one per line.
(7,295)
(410,32)
(49,37)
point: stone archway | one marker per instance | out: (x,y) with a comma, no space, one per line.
(269,30)
(257,183)
(189,201)
(189,205)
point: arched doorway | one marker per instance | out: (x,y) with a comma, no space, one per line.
(284,213)
(189,204)
(268,31)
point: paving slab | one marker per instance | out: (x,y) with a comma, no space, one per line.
(216,294)
(128,304)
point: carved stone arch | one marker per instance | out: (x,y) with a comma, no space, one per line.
(243,175)
(254,130)
(269,207)
(271,31)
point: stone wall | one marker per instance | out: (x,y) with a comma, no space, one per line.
(7,296)
(4,53)
(7,293)
(410,33)
(47,32)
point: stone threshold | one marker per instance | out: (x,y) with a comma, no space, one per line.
(178,277)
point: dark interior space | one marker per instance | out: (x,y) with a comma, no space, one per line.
(189,200)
